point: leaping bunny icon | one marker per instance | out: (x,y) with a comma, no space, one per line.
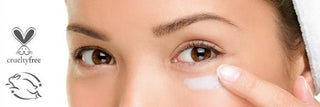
(24,38)
(24,86)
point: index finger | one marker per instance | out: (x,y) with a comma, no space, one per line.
(254,90)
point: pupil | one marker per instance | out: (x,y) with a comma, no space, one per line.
(199,54)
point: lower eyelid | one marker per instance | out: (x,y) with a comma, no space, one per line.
(201,67)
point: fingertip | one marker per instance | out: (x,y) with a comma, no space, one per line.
(228,73)
(302,91)
(308,77)
(221,66)
(306,85)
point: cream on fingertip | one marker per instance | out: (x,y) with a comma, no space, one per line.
(228,73)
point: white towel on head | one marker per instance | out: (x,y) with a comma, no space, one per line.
(308,12)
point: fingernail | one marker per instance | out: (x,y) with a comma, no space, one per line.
(306,85)
(228,73)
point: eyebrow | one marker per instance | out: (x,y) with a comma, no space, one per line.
(86,31)
(178,24)
(159,30)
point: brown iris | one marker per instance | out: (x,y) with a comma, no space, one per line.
(100,57)
(200,54)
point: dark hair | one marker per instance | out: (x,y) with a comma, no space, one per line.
(289,27)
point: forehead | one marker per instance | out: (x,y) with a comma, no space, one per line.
(138,15)
(133,12)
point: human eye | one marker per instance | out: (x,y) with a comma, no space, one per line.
(93,56)
(195,52)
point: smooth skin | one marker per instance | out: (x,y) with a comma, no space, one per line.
(147,37)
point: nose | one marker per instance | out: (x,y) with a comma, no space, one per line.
(145,86)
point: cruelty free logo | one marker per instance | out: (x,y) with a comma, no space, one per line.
(24,52)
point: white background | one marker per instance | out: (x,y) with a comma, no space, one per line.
(49,17)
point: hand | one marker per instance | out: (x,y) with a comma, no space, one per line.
(262,93)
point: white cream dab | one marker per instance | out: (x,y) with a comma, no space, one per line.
(202,83)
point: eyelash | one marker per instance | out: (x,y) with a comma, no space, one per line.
(196,43)
(77,55)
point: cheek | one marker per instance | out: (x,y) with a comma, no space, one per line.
(219,97)
(265,58)
(87,92)
(272,66)
(102,92)
(273,70)
(191,90)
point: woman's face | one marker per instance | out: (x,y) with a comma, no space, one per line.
(141,52)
